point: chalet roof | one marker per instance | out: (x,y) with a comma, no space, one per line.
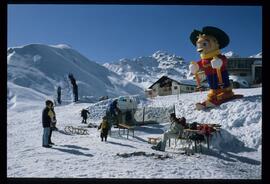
(187,82)
(161,80)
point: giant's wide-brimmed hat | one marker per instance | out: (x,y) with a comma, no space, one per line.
(221,36)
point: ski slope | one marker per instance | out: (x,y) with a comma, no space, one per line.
(235,155)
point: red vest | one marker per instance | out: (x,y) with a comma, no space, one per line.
(205,65)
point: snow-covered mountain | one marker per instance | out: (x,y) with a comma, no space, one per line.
(231,54)
(144,71)
(35,70)
(259,55)
(43,68)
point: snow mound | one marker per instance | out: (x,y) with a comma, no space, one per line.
(241,119)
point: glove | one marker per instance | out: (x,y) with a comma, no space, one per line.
(216,63)
(193,67)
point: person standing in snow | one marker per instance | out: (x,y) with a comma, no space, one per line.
(75,87)
(47,119)
(59,95)
(104,126)
(84,113)
(53,126)
(113,108)
(176,129)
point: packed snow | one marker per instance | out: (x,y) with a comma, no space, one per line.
(236,154)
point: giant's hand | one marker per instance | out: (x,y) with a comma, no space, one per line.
(193,67)
(216,63)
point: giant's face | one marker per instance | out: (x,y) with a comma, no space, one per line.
(206,44)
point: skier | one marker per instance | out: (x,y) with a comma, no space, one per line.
(209,41)
(59,95)
(47,118)
(104,126)
(75,87)
(84,113)
(176,129)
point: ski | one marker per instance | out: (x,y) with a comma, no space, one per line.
(201,106)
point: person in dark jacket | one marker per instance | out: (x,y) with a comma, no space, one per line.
(84,113)
(47,118)
(59,95)
(75,87)
(113,108)
(104,126)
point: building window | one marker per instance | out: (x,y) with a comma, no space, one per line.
(187,88)
(154,90)
(175,87)
(243,74)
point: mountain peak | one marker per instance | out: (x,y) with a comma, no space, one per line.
(62,46)
(231,54)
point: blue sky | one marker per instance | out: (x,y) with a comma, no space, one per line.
(107,33)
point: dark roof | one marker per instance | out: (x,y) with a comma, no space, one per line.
(186,82)
(162,80)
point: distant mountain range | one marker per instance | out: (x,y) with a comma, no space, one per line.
(44,67)
(143,71)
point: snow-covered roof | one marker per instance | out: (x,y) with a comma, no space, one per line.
(188,82)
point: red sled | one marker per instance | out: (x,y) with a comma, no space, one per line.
(201,106)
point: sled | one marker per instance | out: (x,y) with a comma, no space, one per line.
(201,106)
(196,135)
(73,130)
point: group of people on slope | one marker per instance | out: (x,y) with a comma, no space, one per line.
(176,129)
(49,121)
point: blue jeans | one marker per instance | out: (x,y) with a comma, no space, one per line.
(46,133)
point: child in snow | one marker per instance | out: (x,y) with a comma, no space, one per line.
(176,129)
(104,126)
(84,113)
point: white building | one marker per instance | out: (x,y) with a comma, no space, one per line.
(167,86)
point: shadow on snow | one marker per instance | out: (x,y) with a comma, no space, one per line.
(73,151)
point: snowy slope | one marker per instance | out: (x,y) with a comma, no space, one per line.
(43,68)
(259,55)
(144,71)
(234,155)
